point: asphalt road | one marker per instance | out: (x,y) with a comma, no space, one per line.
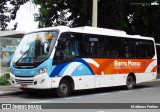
(142,93)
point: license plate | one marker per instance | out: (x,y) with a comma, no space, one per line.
(23,85)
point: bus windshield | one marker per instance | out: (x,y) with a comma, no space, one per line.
(35,47)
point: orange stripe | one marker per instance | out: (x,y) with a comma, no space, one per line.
(154,69)
(94,68)
(108,66)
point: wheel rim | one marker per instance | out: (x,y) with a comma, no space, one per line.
(63,89)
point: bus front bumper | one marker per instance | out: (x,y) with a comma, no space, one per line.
(37,82)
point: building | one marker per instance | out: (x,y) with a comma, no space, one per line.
(9,40)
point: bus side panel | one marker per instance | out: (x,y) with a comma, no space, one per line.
(83,82)
(118,79)
(149,74)
(143,77)
(110,80)
(80,82)
(95,73)
(55,82)
(99,81)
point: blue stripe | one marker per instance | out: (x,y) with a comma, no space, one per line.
(58,69)
(85,63)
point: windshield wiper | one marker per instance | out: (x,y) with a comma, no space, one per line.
(22,56)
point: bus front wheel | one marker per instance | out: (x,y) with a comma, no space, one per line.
(64,88)
(130,82)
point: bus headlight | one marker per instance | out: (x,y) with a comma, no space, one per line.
(42,70)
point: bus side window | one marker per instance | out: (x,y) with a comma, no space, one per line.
(114,47)
(69,47)
(62,53)
(79,46)
(126,48)
(139,50)
(94,46)
(147,46)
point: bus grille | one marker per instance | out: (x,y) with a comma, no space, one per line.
(28,82)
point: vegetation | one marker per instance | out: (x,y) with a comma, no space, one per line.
(138,17)
(4,80)
(8,10)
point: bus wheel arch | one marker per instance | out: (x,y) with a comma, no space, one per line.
(130,81)
(66,85)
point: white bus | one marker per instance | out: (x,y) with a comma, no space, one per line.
(70,59)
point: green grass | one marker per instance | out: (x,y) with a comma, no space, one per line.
(4,80)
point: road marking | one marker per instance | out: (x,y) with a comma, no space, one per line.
(145,88)
(72,98)
(100,111)
(101,94)
(133,90)
(148,88)
(41,101)
(127,90)
(124,91)
(155,80)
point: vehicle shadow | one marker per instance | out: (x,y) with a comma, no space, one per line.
(46,94)
(106,90)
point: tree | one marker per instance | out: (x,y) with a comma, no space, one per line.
(3,17)
(52,12)
(138,17)
(8,13)
(81,12)
(146,19)
(63,12)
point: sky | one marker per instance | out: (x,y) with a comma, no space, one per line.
(25,18)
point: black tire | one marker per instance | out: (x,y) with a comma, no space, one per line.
(64,89)
(130,82)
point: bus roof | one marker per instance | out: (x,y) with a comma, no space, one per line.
(94,30)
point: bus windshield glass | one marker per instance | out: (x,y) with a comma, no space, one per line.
(35,47)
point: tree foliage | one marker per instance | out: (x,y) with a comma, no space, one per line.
(64,12)
(51,12)
(8,13)
(133,16)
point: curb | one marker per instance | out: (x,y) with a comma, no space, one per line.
(11,93)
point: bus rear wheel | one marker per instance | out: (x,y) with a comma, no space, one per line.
(130,82)
(64,89)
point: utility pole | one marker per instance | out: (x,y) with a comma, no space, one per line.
(94,13)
